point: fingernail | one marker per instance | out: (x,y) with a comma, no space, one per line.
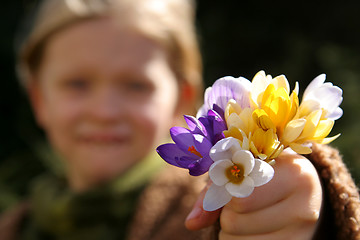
(195,213)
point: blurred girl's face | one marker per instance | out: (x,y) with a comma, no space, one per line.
(105,96)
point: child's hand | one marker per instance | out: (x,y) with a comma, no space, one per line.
(288,207)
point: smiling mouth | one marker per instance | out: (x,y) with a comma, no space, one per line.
(105,139)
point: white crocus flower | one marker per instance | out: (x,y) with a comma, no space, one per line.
(321,95)
(234,173)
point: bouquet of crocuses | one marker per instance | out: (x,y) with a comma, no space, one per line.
(243,126)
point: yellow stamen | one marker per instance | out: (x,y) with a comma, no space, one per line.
(235,173)
(263,120)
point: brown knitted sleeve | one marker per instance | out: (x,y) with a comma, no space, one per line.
(164,205)
(342,204)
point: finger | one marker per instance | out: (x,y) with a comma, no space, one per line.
(280,187)
(295,232)
(302,205)
(198,218)
(259,222)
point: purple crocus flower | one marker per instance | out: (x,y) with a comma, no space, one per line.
(223,90)
(192,146)
(214,124)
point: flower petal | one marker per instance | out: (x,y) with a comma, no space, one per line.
(293,130)
(330,97)
(182,137)
(195,126)
(185,161)
(326,94)
(308,106)
(323,128)
(281,81)
(296,88)
(217,172)
(202,144)
(262,173)
(232,107)
(202,110)
(241,190)
(200,166)
(219,111)
(218,122)
(312,120)
(227,88)
(244,158)
(315,83)
(300,148)
(223,90)
(224,149)
(214,125)
(327,140)
(215,198)
(259,84)
(234,120)
(336,114)
(172,154)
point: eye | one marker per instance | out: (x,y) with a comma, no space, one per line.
(77,84)
(140,86)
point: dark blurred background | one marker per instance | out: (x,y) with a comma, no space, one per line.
(238,38)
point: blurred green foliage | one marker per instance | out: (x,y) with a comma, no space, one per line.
(299,39)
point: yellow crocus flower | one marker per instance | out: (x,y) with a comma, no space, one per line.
(279,106)
(264,144)
(312,128)
(275,121)
(253,129)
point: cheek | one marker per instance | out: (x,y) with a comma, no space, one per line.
(59,113)
(155,119)
(60,120)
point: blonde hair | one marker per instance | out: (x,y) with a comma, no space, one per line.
(169,22)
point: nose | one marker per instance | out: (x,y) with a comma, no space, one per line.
(108,106)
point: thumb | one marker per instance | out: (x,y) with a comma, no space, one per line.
(198,218)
